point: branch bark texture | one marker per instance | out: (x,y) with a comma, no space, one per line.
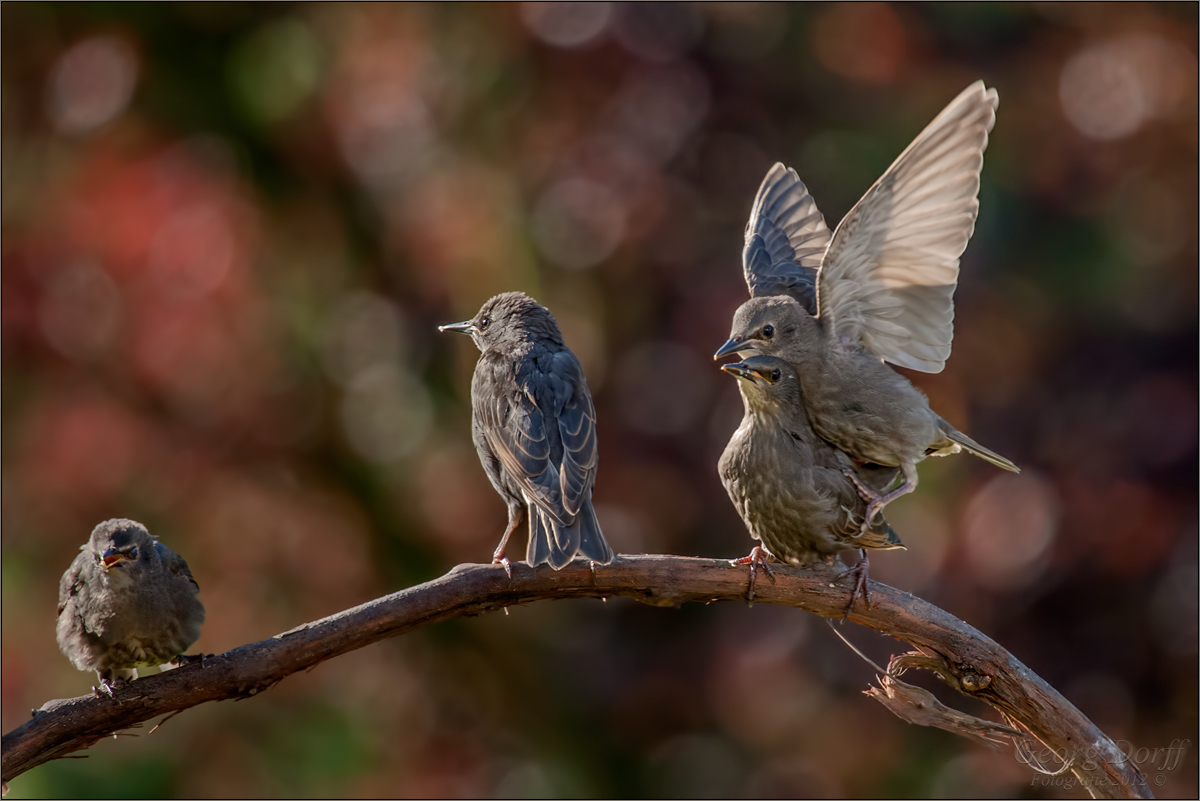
(965,658)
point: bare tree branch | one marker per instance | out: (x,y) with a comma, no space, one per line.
(967,660)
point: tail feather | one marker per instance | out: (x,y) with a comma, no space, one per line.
(566,542)
(547,538)
(958,437)
(557,545)
(592,544)
(540,540)
(880,537)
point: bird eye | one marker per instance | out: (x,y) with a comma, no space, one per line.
(133,550)
(484,323)
(775,375)
(768,332)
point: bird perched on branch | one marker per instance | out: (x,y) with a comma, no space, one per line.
(127,601)
(534,428)
(789,485)
(879,288)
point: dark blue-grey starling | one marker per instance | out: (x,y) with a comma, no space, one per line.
(126,602)
(534,428)
(879,288)
(790,487)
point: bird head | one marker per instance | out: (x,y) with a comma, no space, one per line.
(764,325)
(512,316)
(767,381)
(123,548)
(765,371)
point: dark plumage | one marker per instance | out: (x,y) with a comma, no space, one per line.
(127,601)
(534,428)
(790,487)
(879,288)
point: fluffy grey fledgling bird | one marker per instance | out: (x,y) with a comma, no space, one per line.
(790,486)
(534,428)
(127,601)
(880,287)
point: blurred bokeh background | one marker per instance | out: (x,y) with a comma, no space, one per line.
(229,231)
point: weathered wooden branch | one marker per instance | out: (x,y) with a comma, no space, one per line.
(967,660)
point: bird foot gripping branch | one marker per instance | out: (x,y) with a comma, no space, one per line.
(758,557)
(108,688)
(862,588)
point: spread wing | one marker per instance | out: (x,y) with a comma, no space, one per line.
(887,281)
(553,407)
(174,563)
(786,238)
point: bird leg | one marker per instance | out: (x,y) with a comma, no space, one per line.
(106,688)
(875,501)
(109,684)
(861,588)
(758,557)
(515,513)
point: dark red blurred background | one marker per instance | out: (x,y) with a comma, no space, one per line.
(229,231)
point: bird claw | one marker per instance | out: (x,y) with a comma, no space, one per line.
(875,501)
(758,557)
(861,587)
(503,560)
(108,687)
(873,510)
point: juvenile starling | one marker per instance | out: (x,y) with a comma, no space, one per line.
(790,486)
(127,601)
(534,428)
(881,287)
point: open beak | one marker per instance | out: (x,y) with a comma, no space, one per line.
(738,369)
(465,327)
(733,346)
(111,557)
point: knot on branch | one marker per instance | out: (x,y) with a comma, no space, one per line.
(964,678)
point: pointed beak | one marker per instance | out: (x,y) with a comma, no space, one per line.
(465,327)
(738,369)
(111,557)
(732,346)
